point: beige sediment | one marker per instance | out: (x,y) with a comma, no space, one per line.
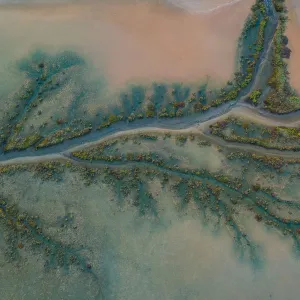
(131,42)
(293,33)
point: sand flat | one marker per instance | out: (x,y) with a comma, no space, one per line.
(131,42)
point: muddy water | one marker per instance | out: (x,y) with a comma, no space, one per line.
(293,34)
(130,41)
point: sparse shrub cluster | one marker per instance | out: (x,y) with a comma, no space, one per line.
(241,131)
(61,135)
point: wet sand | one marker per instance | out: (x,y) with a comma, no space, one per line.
(130,42)
(293,33)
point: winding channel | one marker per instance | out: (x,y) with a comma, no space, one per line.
(198,121)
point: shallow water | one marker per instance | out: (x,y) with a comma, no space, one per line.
(156,215)
(164,46)
(293,32)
